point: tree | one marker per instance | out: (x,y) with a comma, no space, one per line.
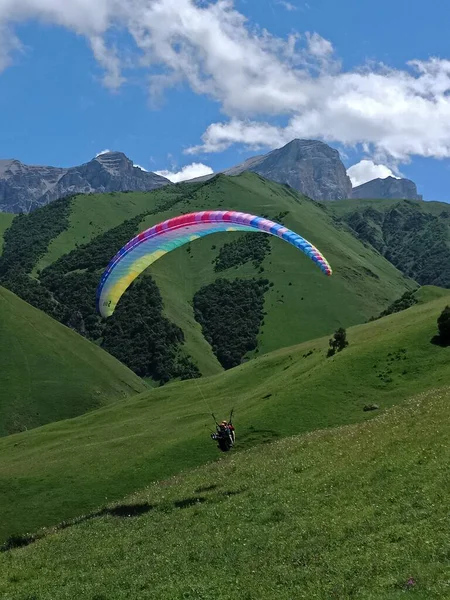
(443,323)
(338,342)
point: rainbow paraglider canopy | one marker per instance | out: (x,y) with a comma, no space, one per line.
(148,246)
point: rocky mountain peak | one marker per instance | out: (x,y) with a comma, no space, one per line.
(114,162)
(388,188)
(9,167)
(309,166)
(25,187)
(299,149)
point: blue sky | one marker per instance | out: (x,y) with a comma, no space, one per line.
(240,93)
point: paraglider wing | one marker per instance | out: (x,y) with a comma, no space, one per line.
(148,246)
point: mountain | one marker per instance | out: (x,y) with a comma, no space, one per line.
(388,188)
(68,469)
(413,235)
(49,372)
(173,323)
(309,166)
(24,188)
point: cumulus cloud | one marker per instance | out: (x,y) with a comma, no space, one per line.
(141,168)
(366,170)
(392,113)
(187,172)
(255,135)
(257,77)
(84,17)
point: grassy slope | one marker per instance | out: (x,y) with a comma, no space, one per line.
(313,305)
(67,468)
(5,222)
(93,214)
(427,293)
(353,512)
(342,207)
(363,283)
(49,372)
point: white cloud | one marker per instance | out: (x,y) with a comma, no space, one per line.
(84,16)
(256,77)
(91,19)
(366,170)
(108,59)
(287,5)
(141,168)
(319,46)
(255,135)
(9,45)
(187,172)
(396,114)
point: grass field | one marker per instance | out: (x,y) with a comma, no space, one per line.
(5,222)
(354,512)
(48,372)
(427,293)
(93,214)
(68,468)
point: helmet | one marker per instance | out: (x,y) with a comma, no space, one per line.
(224,423)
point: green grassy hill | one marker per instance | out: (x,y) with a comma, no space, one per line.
(301,303)
(49,372)
(354,512)
(68,468)
(413,235)
(5,223)
(96,213)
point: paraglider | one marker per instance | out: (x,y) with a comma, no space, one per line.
(225,434)
(155,242)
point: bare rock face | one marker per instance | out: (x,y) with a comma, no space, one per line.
(388,188)
(21,186)
(309,166)
(24,188)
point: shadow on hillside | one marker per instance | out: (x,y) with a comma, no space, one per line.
(437,341)
(128,510)
(233,492)
(121,510)
(186,502)
(206,488)
(254,436)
